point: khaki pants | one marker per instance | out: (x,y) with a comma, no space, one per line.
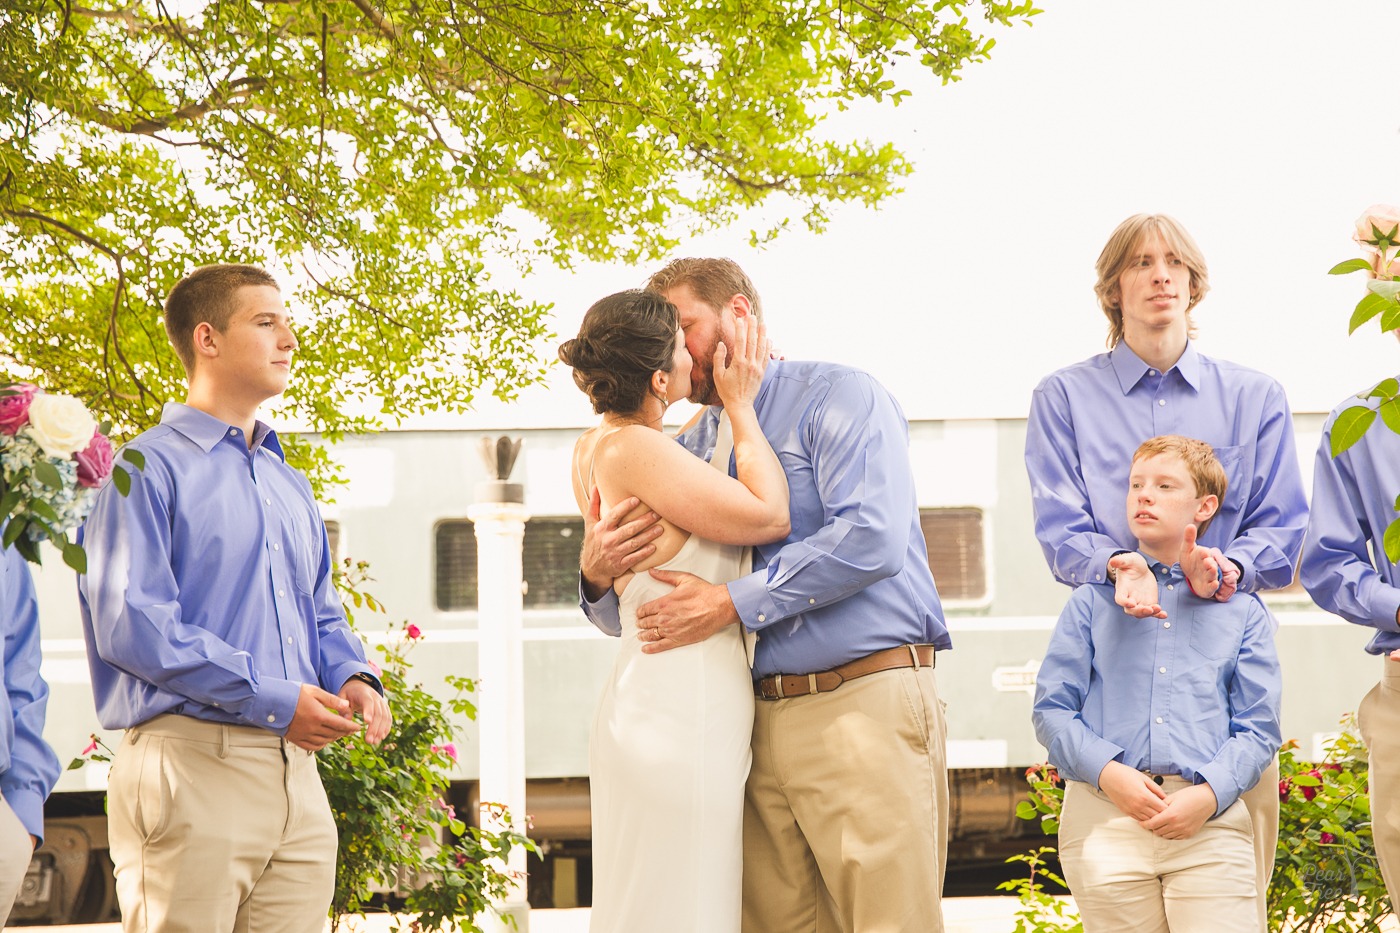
(16,849)
(846,809)
(1379,721)
(1261,801)
(219,829)
(1125,878)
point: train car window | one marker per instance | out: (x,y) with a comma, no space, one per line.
(550,556)
(956,551)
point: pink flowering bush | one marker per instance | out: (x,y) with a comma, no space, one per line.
(397,829)
(53,455)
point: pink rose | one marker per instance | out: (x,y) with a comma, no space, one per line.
(413,631)
(14,408)
(447,749)
(1327,839)
(92,746)
(1382,217)
(1285,788)
(94,461)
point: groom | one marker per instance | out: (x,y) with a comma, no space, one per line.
(846,807)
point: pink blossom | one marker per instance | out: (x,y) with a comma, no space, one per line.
(92,746)
(413,631)
(14,408)
(447,749)
(1285,787)
(1310,792)
(94,461)
(1327,839)
(461,858)
(375,669)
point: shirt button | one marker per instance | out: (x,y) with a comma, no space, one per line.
(268,501)
(1159,720)
(1170,586)
(289,641)
(232,432)
(1152,372)
(1160,670)
(277,547)
(762,617)
(1161,401)
(272,718)
(812,601)
(1166,625)
(281,592)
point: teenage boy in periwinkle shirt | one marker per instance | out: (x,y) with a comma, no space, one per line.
(1087,419)
(216,640)
(28,767)
(1346,572)
(1160,724)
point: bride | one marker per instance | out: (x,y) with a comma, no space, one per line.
(669,751)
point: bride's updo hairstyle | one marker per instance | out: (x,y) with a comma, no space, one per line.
(623,340)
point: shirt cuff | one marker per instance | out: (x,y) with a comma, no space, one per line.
(1246,581)
(1099,564)
(344,673)
(1221,785)
(274,706)
(29,807)
(1094,757)
(752,601)
(1388,606)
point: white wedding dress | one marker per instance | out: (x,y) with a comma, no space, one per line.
(668,758)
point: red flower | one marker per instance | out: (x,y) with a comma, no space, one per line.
(14,407)
(1310,792)
(413,631)
(92,746)
(1285,787)
(94,461)
(1327,839)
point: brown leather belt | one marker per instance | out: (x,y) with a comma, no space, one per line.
(781,686)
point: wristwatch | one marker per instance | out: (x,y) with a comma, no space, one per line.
(369,679)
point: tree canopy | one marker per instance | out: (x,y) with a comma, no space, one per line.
(378,151)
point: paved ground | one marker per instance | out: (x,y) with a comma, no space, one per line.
(961,915)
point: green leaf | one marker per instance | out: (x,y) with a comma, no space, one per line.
(74,556)
(1350,425)
(43,510)
(8,502)
(1390,414)
(1386,388)
(1368,307)
(1351,265)
(1390,319)
(1391,541)
(1025,810)
(122,480)
(135,457)
(12,532)
(47,474)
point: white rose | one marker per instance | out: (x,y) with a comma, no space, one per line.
(60,424)
(1383,217)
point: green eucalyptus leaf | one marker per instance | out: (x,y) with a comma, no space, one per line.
(46,473)
(74,556)
(1368,307)
(1351,265)
(1390,414)
(122,480)
(1391,541)
(135,457)
(1349,427)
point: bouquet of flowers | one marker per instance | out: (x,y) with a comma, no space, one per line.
(53,457)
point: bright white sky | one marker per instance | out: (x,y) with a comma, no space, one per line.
(1265,127)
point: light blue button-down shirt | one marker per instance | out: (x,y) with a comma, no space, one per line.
(1194,694)
(28,767)
(1344,568)
(208,591)
(1087,420)
(852,577)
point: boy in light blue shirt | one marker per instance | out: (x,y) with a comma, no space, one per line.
(1159,724)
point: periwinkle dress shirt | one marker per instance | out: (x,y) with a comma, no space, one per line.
(1194,694)
(28,767)
(208,591)
(1344,568)
(852,577)
(1087,420)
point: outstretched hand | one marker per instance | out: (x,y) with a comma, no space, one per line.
(1200,565)
(1134,587)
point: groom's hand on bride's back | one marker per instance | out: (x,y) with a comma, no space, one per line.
(690,613)
(613,546)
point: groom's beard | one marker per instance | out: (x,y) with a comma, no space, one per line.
(702,378)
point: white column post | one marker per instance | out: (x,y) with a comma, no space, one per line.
(499,517)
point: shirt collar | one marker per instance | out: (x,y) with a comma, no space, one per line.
(1130,368)
(207,431)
